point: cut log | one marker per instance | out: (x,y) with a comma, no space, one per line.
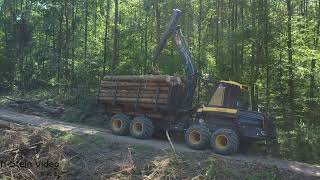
(148,114)
(140,93)
(126,91)
(23,101)
(144,84)
(154,78)
(36,106)
(106,87)
(141,100)
(127,106)
(154,95)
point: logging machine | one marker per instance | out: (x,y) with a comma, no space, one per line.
(147,105)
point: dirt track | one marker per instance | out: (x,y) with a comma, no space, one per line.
(303,168)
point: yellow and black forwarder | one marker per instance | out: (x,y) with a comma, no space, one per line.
(143,106)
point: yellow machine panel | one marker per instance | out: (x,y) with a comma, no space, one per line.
(217,109)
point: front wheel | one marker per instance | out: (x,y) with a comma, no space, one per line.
(197,136)
(224,141)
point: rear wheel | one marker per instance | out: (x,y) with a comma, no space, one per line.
(141,128)
(120,124)
(224,141)
(197,136)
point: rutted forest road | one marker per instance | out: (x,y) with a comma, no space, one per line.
(303,168)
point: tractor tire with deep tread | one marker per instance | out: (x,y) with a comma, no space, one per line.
(119,124)
(197,137)
(141,128)
(224,141)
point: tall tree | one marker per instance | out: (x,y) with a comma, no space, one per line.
(86,29)
(105,44)
(289,46)
(116,36)
(157,14)
(199,47)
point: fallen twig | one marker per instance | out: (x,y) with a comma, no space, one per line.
(171,144)
(32,146)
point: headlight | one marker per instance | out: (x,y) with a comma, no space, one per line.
(201,121)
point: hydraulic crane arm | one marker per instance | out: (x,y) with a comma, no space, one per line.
(173,30)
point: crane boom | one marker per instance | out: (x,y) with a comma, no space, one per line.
(173,30)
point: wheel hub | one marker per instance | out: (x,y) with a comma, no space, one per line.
(137,128)
(116,124)
(221,141)
(195,137)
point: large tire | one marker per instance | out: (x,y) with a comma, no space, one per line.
(224,141)
(120,124)
(197,137)
(141,128)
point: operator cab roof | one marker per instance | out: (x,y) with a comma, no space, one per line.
(242,87)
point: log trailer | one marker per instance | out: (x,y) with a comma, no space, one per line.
(145,105)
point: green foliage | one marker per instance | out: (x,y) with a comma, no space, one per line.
(139,148)
(83,142)
(267,175)
(218,171)
(212,172)
(72,116)
(301,144)
(60,50)
(71,138)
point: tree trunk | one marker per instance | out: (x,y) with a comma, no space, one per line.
(73,29)
(266,51)
(312,79)
(95,18)
(60,44)
(105,44)
(199,51)
(66,44)
(290,62)
(217,34)
(86,30)
(157,12)
(116,36)
(145,42)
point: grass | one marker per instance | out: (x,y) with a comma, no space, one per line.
(216,171)
(84,142)
(71,138)
(140,148)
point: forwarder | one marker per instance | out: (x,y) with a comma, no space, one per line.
(142,106)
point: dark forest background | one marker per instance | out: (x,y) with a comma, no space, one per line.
(65,46)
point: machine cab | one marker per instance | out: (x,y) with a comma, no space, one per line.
(230,94)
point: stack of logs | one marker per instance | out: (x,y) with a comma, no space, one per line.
(143,91)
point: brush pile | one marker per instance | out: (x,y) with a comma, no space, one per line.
(35,107)
(27,153)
